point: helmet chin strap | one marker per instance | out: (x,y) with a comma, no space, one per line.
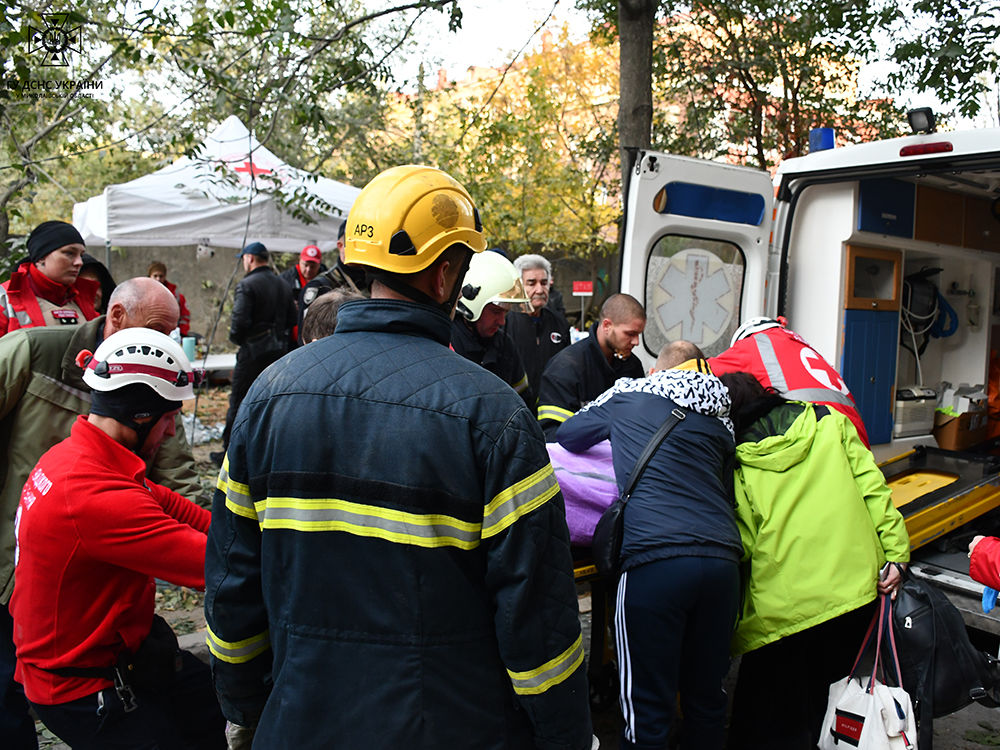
(141,430)
(128,404)
(399,286)
(456,290)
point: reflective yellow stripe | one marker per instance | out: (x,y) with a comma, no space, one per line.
(237,494)
(555,413)
(550,673)
(518,500)
(521,385)
(240,651)
(329,514)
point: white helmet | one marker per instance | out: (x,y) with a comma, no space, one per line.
(139,355)
(755,325)
(490,278)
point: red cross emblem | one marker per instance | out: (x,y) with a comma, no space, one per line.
(252,169)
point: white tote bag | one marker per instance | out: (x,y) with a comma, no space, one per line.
(863,712)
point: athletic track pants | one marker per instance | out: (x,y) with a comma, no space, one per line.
(673,622)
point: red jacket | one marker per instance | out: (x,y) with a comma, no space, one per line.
(19,297)
(780,358)
(185,321)
(984,565)
(92,534)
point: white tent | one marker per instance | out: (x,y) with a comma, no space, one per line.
(210,200)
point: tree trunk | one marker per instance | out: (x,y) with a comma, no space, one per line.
(636,19)
(635,40)
(4,233)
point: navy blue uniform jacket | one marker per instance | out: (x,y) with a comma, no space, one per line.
(389,548)
(683,502)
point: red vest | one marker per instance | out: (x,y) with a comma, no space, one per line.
(19,306)
(780,358)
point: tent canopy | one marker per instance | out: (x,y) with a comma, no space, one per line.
(215,199)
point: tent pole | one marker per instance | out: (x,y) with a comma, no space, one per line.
(107,256)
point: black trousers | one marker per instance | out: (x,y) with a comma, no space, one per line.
(783,687)
(246,371)
(17,728)
(183,716)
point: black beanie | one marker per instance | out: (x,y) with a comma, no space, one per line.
(49,236)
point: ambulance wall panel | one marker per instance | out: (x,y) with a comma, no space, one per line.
(939,216)
(824,218)
(982,227)
(886,206)
(869,367)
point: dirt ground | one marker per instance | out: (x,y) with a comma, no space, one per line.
(972,728)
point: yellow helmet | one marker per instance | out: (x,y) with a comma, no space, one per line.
(490,278)
(407,216)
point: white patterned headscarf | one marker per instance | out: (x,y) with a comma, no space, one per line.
(697,391)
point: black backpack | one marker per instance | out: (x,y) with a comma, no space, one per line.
(942,670)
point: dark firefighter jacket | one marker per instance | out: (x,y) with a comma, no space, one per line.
(575,377)
(402,574)
(497,355)
(538,339)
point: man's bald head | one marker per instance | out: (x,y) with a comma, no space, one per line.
(141,302)
(676,353)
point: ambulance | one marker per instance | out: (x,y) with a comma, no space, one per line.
(885,257)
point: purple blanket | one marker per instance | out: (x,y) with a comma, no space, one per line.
(588,486)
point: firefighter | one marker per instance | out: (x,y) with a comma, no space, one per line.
(492,287)
(582,372)
(403,579)
(781,359)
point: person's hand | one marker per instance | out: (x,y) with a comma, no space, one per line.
(975,540)
(237,737)
(892,580)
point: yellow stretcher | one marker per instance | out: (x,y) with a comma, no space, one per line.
(937,490)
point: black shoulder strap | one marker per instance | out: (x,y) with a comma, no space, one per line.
(676,415)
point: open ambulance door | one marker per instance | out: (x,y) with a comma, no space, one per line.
(695,249)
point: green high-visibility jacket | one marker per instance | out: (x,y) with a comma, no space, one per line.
(816,519)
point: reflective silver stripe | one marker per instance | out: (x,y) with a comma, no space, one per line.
(774,373)
(555,413)
(518,500)
(82,395)
(330,514)
(770,361)
(551,673)
(814,395)
(237,494)
(240,651)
